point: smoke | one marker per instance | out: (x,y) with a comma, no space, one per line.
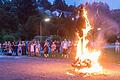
(104,27)
(108,26)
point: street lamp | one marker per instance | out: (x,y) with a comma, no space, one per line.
(98,29)
(47,19)
(43,20)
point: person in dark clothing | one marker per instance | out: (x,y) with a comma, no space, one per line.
(81,21)
(23,48)
(46,46)
(13,47)
(58,44)
(16,48)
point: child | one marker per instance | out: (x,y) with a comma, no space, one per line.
(19,48)
(65,48)
(32,49)
(37,49)
(117,45)
(53,46)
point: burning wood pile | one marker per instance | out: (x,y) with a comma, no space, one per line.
(87,61)
(78,64)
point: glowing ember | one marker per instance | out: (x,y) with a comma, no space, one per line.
(86,59)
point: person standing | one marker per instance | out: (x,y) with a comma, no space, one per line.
(9,49)
(27,47)
(13,47)
(16,48)
(32,49)
(4,47)
(117,46)
(19,48)
(65,48)
(46,46)
(23,48)
(53,47)
(37,49)
(58,44)
(1,48)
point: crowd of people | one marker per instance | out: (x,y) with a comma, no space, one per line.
(36,48)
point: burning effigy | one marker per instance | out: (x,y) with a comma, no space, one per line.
(86,60)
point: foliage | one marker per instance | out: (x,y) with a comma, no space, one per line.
(8,22)
(33,24)
(8,38)
(46,4)
(40,38)
(55,37)
(25,8)
(60,4)
(23,20)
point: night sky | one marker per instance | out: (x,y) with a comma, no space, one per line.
(113,4)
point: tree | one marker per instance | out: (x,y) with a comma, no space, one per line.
(1,2)
(32,26)
(8,38)
(6,5)
(8,22)
(115,14)
(25,8)
(60,4)
(46,4)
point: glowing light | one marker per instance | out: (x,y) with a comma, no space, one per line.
(85,55)
(98,29)
(47,19)
(69,73)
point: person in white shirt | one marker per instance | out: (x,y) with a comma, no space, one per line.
(9,48)
(65,48)
(32,49)
(117,46)
(19,48)
(37,49)
(53,46)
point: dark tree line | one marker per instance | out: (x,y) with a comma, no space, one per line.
(21,18)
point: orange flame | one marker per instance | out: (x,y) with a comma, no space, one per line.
(84,53)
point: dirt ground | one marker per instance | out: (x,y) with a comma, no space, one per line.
(29,68)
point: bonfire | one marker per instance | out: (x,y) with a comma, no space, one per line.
(86,60)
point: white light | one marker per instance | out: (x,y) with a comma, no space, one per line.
(73,19)
(98,29)
(47,19)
